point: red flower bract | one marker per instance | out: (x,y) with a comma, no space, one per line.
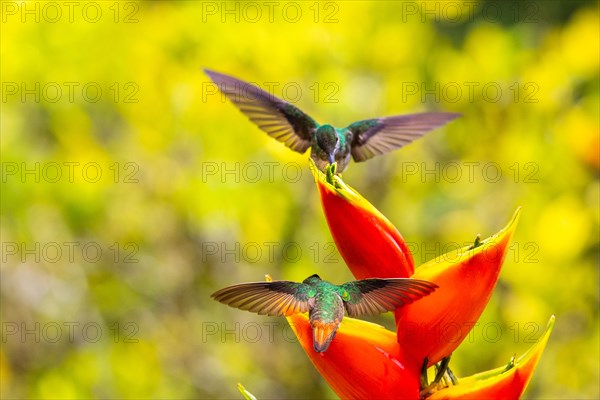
(368,242)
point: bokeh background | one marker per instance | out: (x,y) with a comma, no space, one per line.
(106,278)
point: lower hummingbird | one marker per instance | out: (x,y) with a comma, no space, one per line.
(324,301)
(288,124)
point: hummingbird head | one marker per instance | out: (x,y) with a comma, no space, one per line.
(328,141)
(312,279)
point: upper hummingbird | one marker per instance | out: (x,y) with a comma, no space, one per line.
(362,139)
(324,301)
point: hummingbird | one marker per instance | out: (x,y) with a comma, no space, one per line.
(360,140)
(324,301)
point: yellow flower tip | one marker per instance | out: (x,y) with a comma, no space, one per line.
(508,231)
(514,220)
(504,236)
(491,248)
(327,179)
(268,278)
(334,184)
(508,381)
(537,349)
(317,174)
(471,269)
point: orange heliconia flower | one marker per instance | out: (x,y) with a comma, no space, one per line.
(366,360)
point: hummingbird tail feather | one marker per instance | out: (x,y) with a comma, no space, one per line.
(323,334)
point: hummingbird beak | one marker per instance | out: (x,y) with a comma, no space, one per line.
(331,158)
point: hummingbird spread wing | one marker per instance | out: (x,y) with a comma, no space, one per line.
(276,298)
(375,296)
(373,137)
(278,118)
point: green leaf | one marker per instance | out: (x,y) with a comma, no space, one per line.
(247,395)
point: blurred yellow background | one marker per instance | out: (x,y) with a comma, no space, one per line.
(131,190)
